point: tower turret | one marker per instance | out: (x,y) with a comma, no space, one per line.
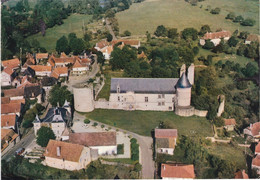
(183,87)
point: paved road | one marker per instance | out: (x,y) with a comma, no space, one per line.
(110,29)
(24,143)
(145,146)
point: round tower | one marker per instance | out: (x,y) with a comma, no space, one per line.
(83,99)
(183,91)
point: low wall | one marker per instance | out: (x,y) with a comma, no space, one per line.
(102,104)
(200,113)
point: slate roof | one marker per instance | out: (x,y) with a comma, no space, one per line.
(48,81)
(177,171)
(183,82)
(29,72)
(94,138)
(32,91)
(144,85)
(55,115)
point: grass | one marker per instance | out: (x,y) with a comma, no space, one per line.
(142,122)
(146,16)
(72,24)
(121,160)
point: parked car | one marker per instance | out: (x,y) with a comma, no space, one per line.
(19,151)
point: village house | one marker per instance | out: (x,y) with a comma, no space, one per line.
(131,42)
(8,139)
(7,76)
(229,124)
(252,38)
(241,174)
(14,94)
(106,51)
(9,121)
(256,164)
(30,61)
(11,63)
(104,142)
(177,171)
(257,149)
(81,66)
(62,61)
(6,100)
(56,118)
(12,108)
(48,82)
(33,92)
(60,72)
(25,81)
(165,140)
(63,155)
(41,70)
(41,56)
(215,37)
(253,130)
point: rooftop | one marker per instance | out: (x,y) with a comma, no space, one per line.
(8,120)
(183,82)
(42,56)
(229,122)
(241,174)
(13,92)
(217,35)
(11,63)
(166,133)
(177,171)
(10,108)
(256,161)
(39,68)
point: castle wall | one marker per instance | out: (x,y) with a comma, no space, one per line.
(183,96)
(83,99)
(200,113)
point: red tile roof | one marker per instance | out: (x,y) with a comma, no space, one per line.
(94,138)
(130,42)
(68,151)
(40,68)
(77,64)
(10,108)
(166,133)
(177,171)
(42,55)
(63,55)
(5,100)
(107,49)
(217,35)
(256,161)
(229,122)
(8,120)
(8,70)
(241,174)
(13,92)
(102,44)
(255,129)
(11,63)
(142,55)
(58,71)
(51,60)
(257,148)
(18,101)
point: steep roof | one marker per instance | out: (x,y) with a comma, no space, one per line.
(144,85)
(217,35)
(257,148)
(42,55)
(77,64)
(68,151)
(58,71)
(55,115)
(39,68)
(94,138)
(11,63)
(166,133)
(13,92)
(183,82)
(241,174)
(102,44)
(8,70)
(8,120)
(107,49)
(63,55)
(229,122)
(177,171)
(256,161)
(10,108)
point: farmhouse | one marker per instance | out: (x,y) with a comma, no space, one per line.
(177,171)
(165,140)
(63,155)
(8,121)
(41,70)
(253,130)
(256,164)
(229,124)
(215,37)
(103,142)
(7,76)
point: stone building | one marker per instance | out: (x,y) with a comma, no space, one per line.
(177,171)
(165,140)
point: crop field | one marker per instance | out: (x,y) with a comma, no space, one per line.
(146,16)
(73,23)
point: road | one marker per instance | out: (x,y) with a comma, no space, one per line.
(110,29)
(145,147)
(24,143)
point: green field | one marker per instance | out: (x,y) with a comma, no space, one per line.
(146,16)
(142,122)
(73,23)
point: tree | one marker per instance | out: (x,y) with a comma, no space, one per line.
(127,33)
(100,58)
(87,37)
(208,44)
(58,95)
(160,31)
(189,33)
(232,42)
(241,50)
(248,22)
(62,45)
(172,33)
(215,11)
(195,50)
(238,19)
(219,121)
(109,37)
(44,134)
(231,16)
(250,70)
(243,34)
(204,29)
(76,45)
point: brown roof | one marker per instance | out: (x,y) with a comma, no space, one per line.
(107,50)
(10,108)
(13,92)
(63,55)
(77,64)
(9,135)
(18,101)
(29,61)
(68,151)
(5,100)
(177,171)
(38,68)
(229,122)
(58,71)
(241,174)
(65,60)
(11,63)
(102,44)
(253,37)
(42,55)
(142,55)
(8,120)
(94,138)
(8,70)
(166,133)
(217,35)
(256,161)
(51,60)
(255,128)
(257,148)
(130,42)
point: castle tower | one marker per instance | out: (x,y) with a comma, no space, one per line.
(67,106)
(183,69)
(183,91)
(83,99)
(191,73)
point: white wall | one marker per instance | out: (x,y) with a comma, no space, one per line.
(183,96)
(5,79)
(103,150)
(166,150)
(42,73)
(58,128)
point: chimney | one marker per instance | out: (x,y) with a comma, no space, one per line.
(251,125)
(7,123)
(85,55)
(58,150)
(163,167)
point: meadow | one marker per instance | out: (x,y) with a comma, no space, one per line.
(146,16)
(73,23)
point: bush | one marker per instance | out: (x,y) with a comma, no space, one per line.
(248,22)
(95,124)
(102,126)
(127,33)
(120,149)
(134,150)
(86,121)
(215,11)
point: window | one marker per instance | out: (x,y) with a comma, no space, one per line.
(159,103)
(159,96)
(146,99)
(163,96)
(173,99)
(118,98)
(170,108)
(163,103)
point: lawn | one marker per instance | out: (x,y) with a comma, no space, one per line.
(72,24)
(146,16)
(121,160)
(142,122)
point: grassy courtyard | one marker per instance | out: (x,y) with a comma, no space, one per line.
(146,16)
(72,24)
(142,122)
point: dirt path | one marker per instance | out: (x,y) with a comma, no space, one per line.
(110,29)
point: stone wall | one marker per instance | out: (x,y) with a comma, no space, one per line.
(200,113)
(102,104)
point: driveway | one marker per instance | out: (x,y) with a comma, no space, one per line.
(145,142)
